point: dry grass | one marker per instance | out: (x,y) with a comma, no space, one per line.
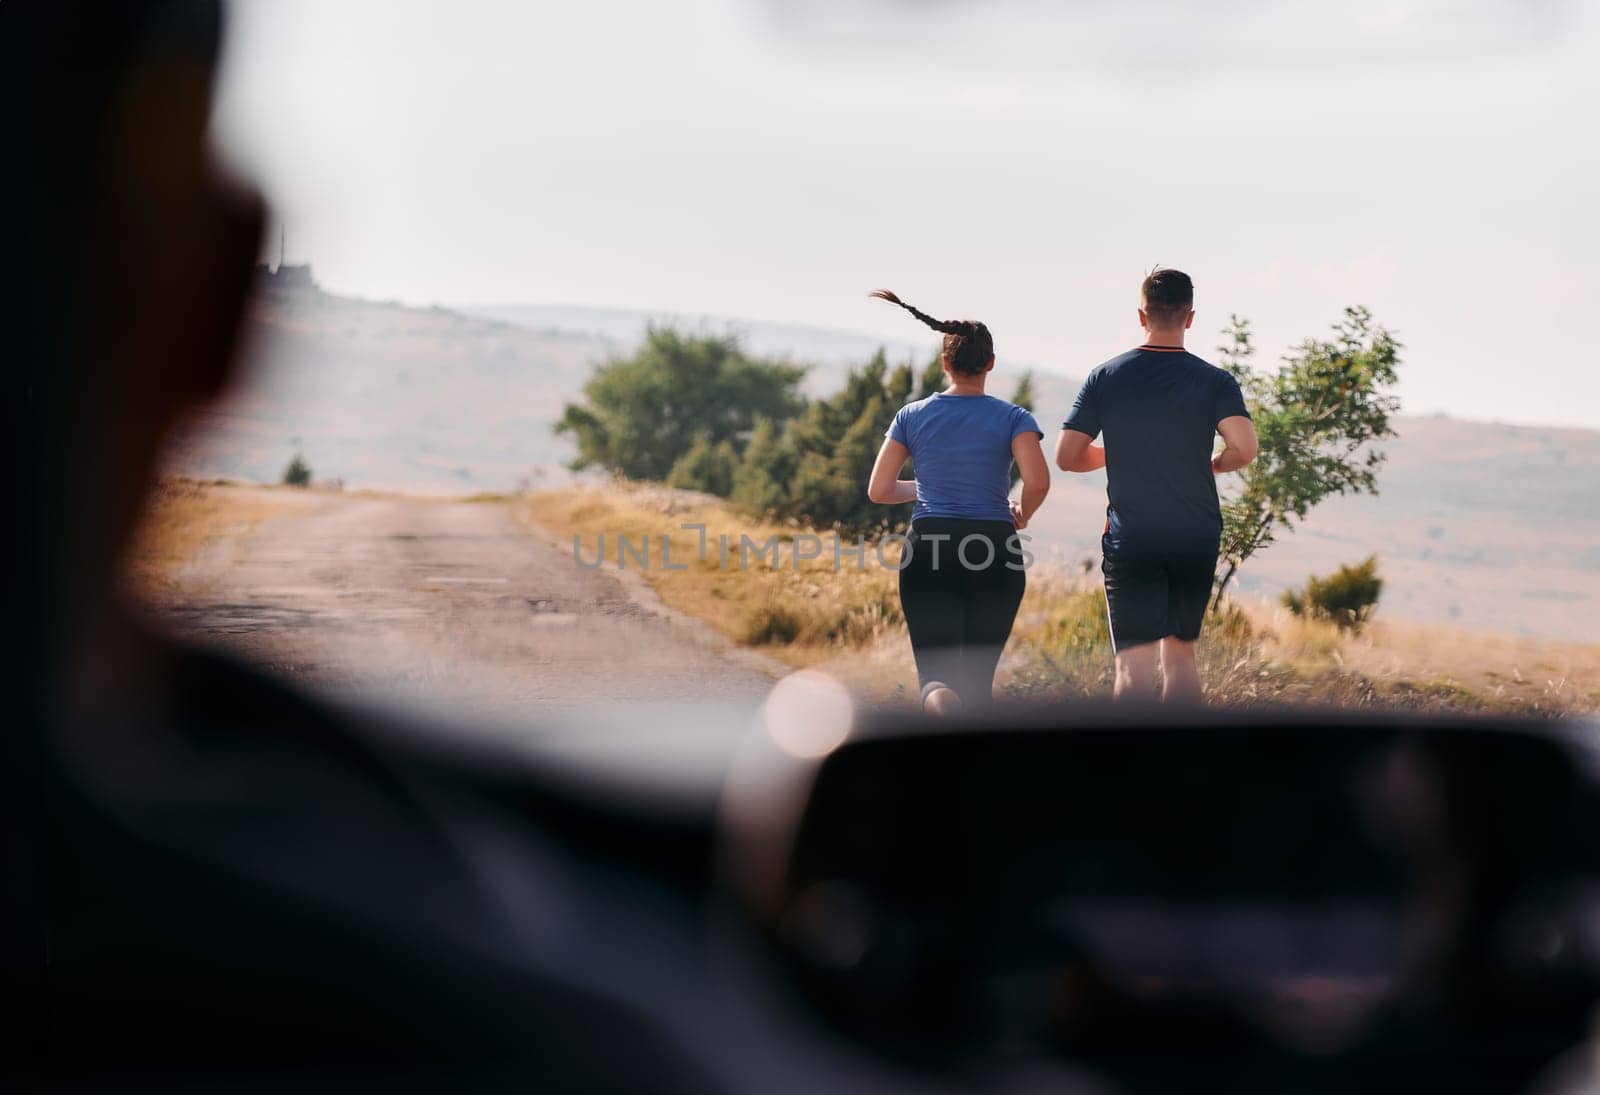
(187,520)
(1502,672)
(800,611)
(1257,654)
(849,623)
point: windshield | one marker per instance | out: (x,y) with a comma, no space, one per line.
(564,383)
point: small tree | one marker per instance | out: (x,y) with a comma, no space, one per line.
(1317,419)
(298,473)
(1348,596)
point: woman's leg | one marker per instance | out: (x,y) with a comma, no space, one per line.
(991,596)
(930,599)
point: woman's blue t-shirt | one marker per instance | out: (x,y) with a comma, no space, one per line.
(961,445)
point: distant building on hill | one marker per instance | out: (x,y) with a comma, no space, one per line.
(283,277)
(287,277)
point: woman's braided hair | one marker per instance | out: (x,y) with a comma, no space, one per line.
(967,343)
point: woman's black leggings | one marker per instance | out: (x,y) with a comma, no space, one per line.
(960,590)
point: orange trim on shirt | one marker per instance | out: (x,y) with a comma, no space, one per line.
(1164,349)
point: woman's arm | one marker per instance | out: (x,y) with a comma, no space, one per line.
(1075,451)
(886,486)
(1028,451)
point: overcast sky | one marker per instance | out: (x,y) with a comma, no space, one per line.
(1017,162)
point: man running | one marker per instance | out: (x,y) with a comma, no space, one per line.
(1160,408)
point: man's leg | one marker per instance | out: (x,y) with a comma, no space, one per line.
(1136,610)
(1180,671)
(1189,577)
(1136,672)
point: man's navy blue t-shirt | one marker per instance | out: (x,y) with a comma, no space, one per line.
(1158,408)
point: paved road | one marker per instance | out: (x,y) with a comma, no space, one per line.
(449,602)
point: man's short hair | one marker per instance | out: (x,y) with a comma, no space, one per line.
(1167,295)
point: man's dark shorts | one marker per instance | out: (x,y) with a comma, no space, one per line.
(1153,594)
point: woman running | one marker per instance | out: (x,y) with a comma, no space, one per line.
(963,579)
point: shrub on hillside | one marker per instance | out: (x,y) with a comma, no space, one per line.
(298,473)
(1347,597)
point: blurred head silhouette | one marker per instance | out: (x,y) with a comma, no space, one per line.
(128,262)
(135,262)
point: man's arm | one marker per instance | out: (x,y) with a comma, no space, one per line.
(1076,451)
(1238,444)
(886,487)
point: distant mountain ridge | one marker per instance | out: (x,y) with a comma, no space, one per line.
(798,342)
(827,352)
(1483,525)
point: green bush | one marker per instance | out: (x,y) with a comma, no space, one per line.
(640,415)
(1348,596)
(298,473)
(831,447)
(707,467)
(760,480)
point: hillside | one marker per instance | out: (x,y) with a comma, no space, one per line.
(1483,526)
(828,351)
(382,395)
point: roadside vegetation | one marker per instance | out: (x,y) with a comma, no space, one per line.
(187,520)
(298,472)
(849,623)
(695,412)
(1347,597)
